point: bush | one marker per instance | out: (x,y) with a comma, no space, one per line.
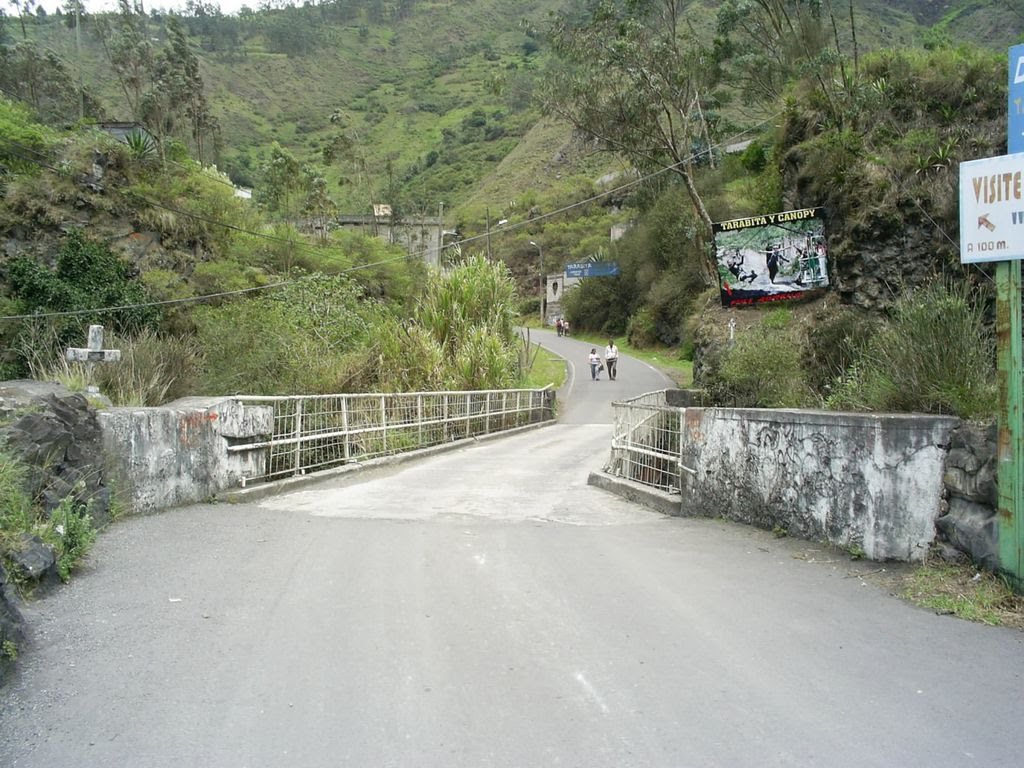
(69,528)
(641,331)
(834,339)
(761,370)
(295,339)
(935,355)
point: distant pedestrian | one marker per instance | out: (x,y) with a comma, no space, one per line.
(558,326)
(565,327)
(595,364)
(611,359)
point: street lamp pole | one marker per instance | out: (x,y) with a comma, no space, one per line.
(540,279)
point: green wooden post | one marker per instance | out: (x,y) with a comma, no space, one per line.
(1009,456)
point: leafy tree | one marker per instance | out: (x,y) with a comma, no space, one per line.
(179,68)
(767,42)
(41,80)
(73,12)
(281,180)
(24,9)
(636,79)
(290,31)
(126,41)
(318,204)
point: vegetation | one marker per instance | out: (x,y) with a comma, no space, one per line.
(934,355)
(964,592)
(68,528)
(873,123)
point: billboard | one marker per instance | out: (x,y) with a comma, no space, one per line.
(771,257)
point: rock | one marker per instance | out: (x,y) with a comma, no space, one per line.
(57,434)
(951,554)
(972,528)
(35,560)
(12,624)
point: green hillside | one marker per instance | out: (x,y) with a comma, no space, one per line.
(432,97)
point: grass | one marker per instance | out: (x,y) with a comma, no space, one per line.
(964,592)
(547,369)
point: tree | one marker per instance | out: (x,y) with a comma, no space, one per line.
(24,8)
(318,204)
(42,81)
(767,42)
(633,79)
(179,69)
(127,45)
(281,179)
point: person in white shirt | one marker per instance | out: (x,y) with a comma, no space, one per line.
(611,359)
(595,364)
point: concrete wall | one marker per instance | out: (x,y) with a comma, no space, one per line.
(867,482)
(177,453)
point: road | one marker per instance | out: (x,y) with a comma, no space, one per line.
(485,607)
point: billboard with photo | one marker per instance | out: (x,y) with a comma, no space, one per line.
(771,257)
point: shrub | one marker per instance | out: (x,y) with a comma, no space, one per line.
(68,529)
(295,339)
(834,339)
(641,330)
(761,370)
(935,355)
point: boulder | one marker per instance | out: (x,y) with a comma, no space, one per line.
(972,528)
(35,560)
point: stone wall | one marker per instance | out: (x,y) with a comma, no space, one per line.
(868,483)
(968,523)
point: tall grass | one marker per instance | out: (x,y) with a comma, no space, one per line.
(153,369)
(935,355)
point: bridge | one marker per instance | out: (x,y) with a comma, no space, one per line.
(487,607)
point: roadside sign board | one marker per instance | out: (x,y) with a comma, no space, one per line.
(992,209)
(1015,105)
(592,269)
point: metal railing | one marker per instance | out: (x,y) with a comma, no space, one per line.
(646,442)
(322,431)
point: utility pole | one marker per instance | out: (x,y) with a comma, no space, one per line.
(540,280)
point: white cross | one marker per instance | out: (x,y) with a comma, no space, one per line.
(93,353)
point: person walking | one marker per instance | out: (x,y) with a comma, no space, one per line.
(595,364)
(611,359)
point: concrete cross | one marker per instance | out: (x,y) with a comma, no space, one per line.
(93,353)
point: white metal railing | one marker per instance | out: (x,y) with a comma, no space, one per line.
(313,432)
(646,441)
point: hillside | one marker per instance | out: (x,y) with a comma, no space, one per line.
(430,97)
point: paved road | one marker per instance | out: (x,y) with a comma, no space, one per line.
(485,607)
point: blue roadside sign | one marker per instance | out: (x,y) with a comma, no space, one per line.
(593,268)
(1015,105)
